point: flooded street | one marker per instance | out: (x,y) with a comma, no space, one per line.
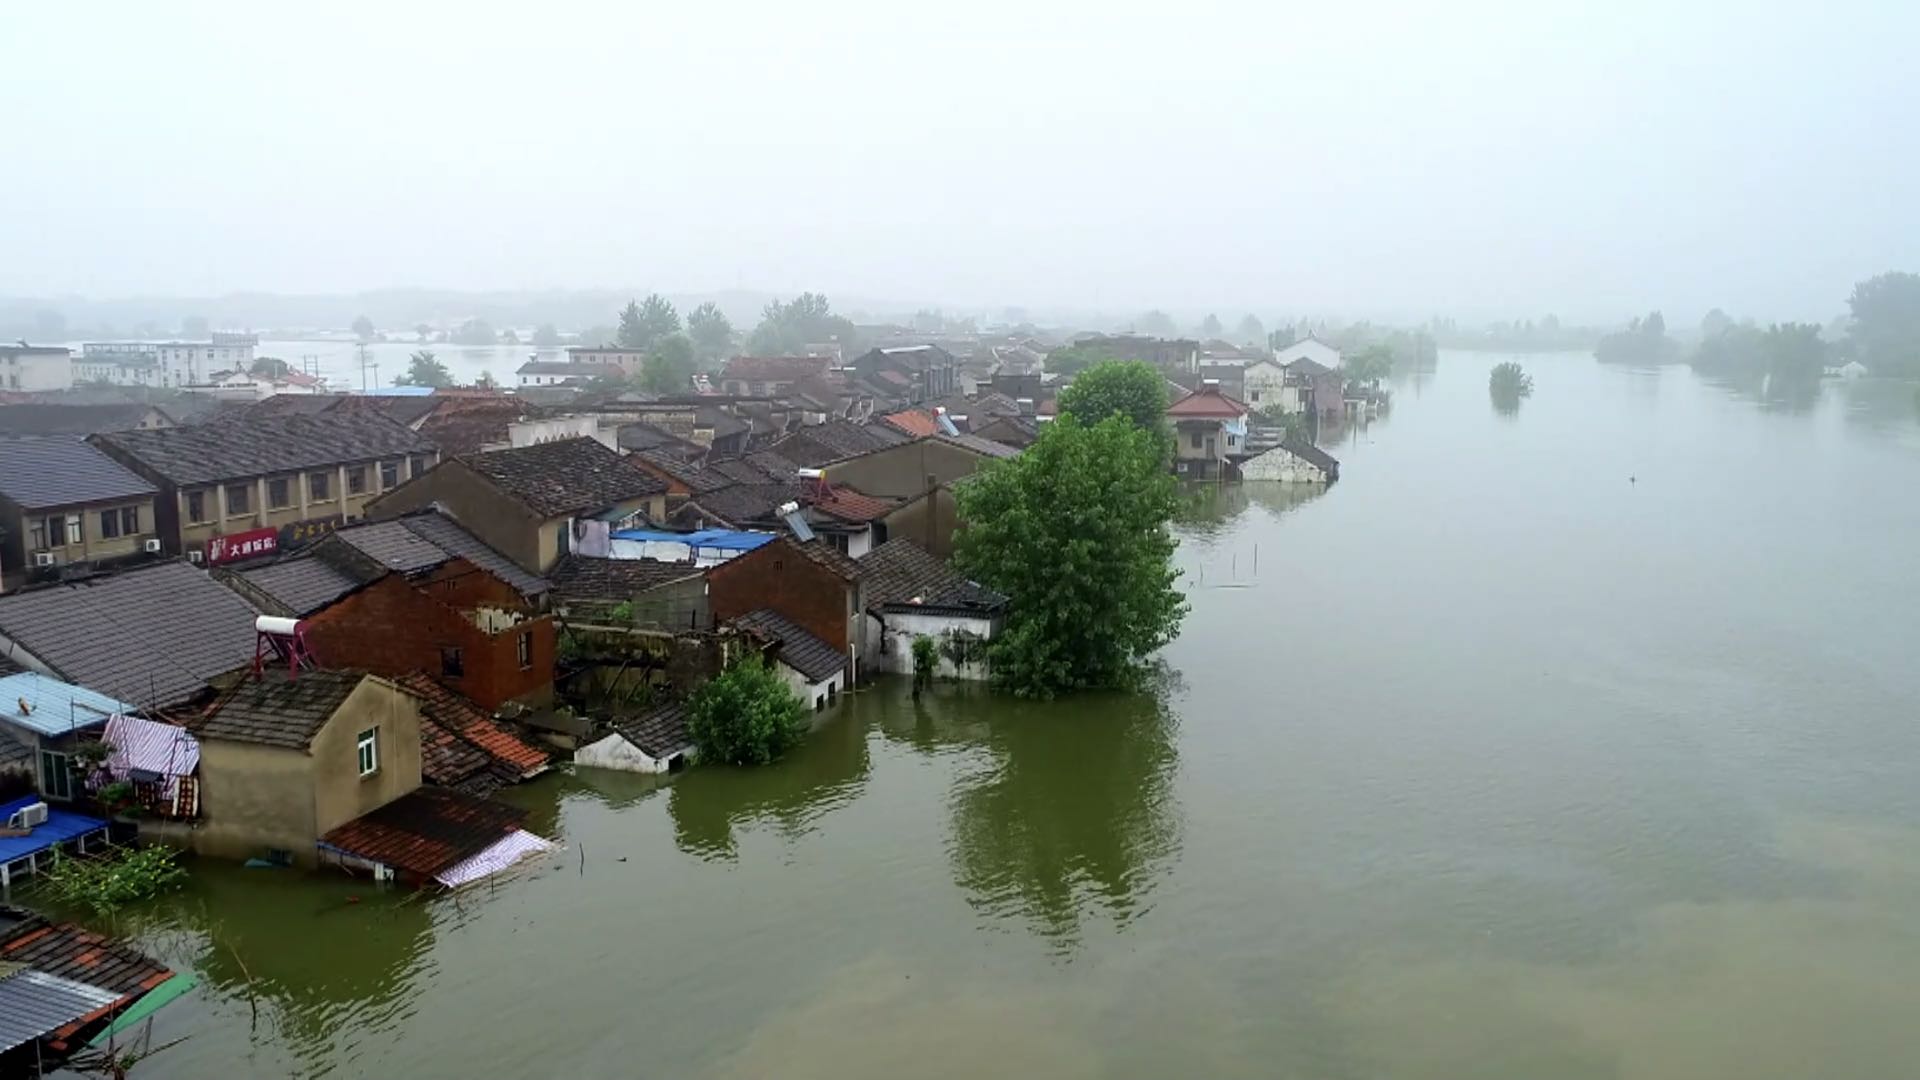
(1577,743)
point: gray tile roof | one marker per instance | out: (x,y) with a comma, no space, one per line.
(799,649)
(302,584)
(275,710)
(583,577)
(837,439)
(64,419)
(564,477)
(394,545)
(1313,455)
(447,534)
(902,573)
(152,635)
(660,733)
(61,470)
(980,445)
(253,445)
(744,503)
(34,1004)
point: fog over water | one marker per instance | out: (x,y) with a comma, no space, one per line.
(1492,158)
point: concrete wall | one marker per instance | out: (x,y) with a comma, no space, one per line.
(253,798)
(815,694)
(503,522)
(778,577)
(180,531)
(340,793)
(902,472)
(891,635)
(48,369)
(1282,465)
(929,522)
(615,752)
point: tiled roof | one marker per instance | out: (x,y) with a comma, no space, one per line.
(776,368)
(34,1005)
(659,733)
(742,503)
(825,554)
(457,714)
(450,761)
(902,572)
(447,534)
(253,446)
(799,649)
(836,439)
(643,436)
(585,577)
(275,710)
(689,474)
(300,584)
(74,952)
(152,635)
(466,431)
(846,504)
(567,476)
(76,420)
(915,422)
(1205,403)
(393,545)
(62,470)
(426,830)
(1313,455)
(980,445)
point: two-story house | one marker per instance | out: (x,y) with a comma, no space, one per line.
(251,485)
(28,368)
(1209,429)
(64,502)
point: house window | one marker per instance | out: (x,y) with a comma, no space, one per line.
(526,650)
(76,529)
(421,463)
(450,663)
(130,521)
(319,486)
(1254,396)
(39,529)
(389,474)
(109,524)
(1196,440)
(356,479)
(367,746)
(56,775)
(279,493)
(196,506)
(239,499)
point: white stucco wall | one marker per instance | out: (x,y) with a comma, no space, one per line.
(815,694)
(896,653)
(1309,349)
(615,752)
(1282,465)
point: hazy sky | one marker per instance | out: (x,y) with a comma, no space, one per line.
(1340,157)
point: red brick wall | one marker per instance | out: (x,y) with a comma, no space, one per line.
(395,626)
(779,577)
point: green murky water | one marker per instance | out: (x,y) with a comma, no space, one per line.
(1487,763)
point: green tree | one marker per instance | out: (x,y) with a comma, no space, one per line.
(710,330)
(1074,359)
(1210,327)
(1368,366)
(669,368)
(474,332)
(1794,352)
(1885,332)
(633,328)
(425,369)
(594,337)
(788,328)
(508,337)
(363,328)
(1074,531)
(1714,323)
(1127,388)
(648,321)
(545,336)
(1252,332)
(1507,384)
(1156,324)
(746,715)
(271,366)
(421,331)
(486,381)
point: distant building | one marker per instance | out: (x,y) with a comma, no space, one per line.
(64,502)
(1175,355)
(771,376)
(39,419)
(560,372)
(31,368)
(598,360)
(165,363)
(1209,429)
(910,593)
(1292,462)
(916,373)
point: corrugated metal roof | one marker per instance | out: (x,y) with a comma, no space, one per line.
(53,707)
(34,1004)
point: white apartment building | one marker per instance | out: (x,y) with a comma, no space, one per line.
(35,367)
(165,363)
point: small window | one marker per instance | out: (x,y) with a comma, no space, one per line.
(526,650)
(196,506)
(320,486)
(389,474)
(56,775)
(1196,440)
(421,463)
(367,746)
(356,479)
(279,493)
(76,529)
(239,499)
(39,528)
(109,524)
(450,664)
(130,521)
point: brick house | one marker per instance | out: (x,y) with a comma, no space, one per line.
(534,504)
(814,586)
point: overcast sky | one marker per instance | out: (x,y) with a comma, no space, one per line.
(1356,158)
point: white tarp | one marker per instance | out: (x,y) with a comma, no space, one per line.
(508,850)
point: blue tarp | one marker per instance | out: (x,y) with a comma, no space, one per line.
(61,826)
(724,539)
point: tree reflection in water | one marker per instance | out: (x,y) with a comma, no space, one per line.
(826,771)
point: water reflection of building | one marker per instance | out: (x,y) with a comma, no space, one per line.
(826,771)
(1070,811)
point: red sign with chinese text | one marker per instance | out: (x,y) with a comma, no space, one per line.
(242,545)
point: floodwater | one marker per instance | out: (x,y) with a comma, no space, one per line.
(347,365)
(1575,743)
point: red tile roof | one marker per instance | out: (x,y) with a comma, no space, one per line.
(1207,402)
(425,831)
(915,422)
(849,505)
(469,722)
(71,952)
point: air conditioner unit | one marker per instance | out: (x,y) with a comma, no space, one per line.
(152,547)
(28,816)
(195,557)
(43,558)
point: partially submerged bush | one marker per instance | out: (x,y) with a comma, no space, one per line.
(121,876)
(745,715)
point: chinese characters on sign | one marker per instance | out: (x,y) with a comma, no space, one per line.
(311,529)
(242,545)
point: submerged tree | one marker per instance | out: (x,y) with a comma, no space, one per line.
(1507,384)
(1885,330)
(1365,369)
(1126,388)
(363,328)
(746,715)
(546,336)
(1074,531)
(425,369)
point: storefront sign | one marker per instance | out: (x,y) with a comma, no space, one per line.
(302,532)
(242,545)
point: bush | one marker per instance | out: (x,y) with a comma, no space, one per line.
(926,658)
(745,716)
(1507,384)
(122,876)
